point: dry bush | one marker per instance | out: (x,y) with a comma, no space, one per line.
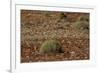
(82,23)
(51,46)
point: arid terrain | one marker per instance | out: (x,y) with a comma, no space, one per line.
(69,28)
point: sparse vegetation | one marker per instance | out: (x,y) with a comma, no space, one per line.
(82,23)
(62,16)
(51,46)
(83,18)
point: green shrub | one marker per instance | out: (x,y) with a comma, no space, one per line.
(82,23)
(62,16)
(84,18)
(50,46)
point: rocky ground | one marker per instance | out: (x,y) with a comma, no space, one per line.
(38,26)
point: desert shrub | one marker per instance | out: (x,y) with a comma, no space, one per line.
(47,14)
(82,23)
(84,18)
(50,46)
(62,16)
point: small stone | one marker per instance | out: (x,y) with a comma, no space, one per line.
(63,41)
(86,57)
(72,53)
(27,56)
(66,58)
